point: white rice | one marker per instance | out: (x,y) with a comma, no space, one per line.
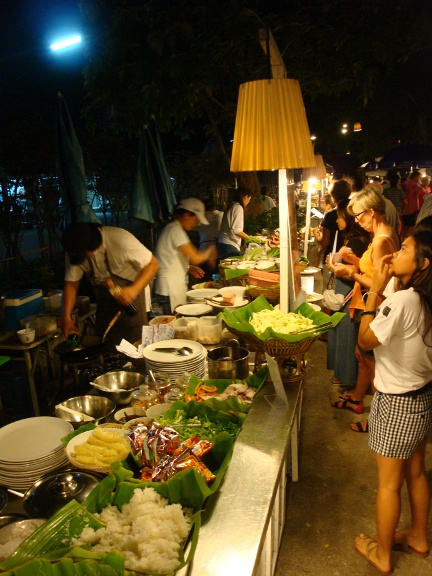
(148,531)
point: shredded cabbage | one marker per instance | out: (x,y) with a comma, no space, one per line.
(282,323)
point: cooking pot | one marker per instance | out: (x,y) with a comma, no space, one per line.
(228,362)
(52,491)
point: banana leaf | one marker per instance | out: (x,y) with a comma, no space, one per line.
(240,320)
(56,533)
(232,404)
(80,430)
(231,273)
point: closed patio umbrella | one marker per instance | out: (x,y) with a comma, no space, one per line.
(70,168)
(152,195)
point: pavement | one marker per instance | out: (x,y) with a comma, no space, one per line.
(334,500)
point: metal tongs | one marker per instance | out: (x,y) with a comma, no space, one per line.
(317,328)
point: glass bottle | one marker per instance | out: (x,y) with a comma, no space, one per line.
(144,397)
(174,394)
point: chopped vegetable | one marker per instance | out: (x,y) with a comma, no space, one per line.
(200,425)
(281,323)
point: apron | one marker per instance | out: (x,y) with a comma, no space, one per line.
(127,327)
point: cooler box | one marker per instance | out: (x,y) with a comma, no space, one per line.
(19,304)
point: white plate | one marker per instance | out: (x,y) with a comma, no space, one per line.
(171,358)
(237,290)
(238,303)
(313,297)
(246,265)
(315,307)
(202,294)
(193,309)
(264,264)
(310,270)
(158,409)
(83,437)
(32,438)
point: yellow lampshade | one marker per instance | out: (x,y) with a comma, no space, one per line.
(271,129)
(318,171)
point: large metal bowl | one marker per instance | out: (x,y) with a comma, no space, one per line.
(99,408)
(110,383)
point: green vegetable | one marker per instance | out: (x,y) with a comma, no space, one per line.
(273,253)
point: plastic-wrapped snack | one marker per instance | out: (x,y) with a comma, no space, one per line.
(187,460)
(201,448)
(149,445)
(186,444)
(172,465)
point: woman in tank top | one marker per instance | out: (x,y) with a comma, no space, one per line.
(368,208)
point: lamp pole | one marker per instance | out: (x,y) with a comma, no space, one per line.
(291,294)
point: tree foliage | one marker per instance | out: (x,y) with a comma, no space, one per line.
(182,61)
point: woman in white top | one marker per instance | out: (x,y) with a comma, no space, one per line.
(177,256)
(231,232)
(399,331)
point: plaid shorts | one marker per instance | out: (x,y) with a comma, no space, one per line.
(398,422)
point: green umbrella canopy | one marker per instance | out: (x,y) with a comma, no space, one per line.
(152,195)
(70,168)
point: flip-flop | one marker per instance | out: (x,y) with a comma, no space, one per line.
(369,549)
(344,405)
(358,427)
(403,546)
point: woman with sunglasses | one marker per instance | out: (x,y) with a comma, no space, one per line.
(400,333)
(368,209)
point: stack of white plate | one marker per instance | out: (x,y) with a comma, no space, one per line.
(30,448)
(201,295)
(173,364)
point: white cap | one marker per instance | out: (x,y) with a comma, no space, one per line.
(196,207)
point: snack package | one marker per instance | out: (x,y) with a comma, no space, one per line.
(187,454)
(151,444)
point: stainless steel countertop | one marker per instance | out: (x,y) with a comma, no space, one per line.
(235,519)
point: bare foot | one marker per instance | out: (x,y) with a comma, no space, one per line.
(367,548)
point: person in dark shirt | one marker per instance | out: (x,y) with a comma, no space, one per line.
(325,234)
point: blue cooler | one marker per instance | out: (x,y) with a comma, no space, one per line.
(19,304)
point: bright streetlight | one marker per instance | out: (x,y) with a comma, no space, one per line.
(66,43)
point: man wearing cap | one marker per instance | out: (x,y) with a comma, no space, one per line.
(177,256)
(109,257)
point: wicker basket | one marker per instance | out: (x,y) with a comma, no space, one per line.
(272,295)
(290,356)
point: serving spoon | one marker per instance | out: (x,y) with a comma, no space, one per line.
(184,351)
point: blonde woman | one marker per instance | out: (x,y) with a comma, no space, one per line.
(368,209)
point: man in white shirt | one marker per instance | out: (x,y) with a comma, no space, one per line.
(177,256)
(109,257)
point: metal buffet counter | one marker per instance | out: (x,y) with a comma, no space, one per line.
(243,522)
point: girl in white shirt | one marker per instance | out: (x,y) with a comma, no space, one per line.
(231,232)
(399,331)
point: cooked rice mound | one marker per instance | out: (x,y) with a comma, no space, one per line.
(148,531)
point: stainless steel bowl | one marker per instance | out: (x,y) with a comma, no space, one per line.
(110,383)
(99,408)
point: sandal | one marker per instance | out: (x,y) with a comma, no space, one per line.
(344,404)
(370,545)
(403,546)
(362,426)
(336,382)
